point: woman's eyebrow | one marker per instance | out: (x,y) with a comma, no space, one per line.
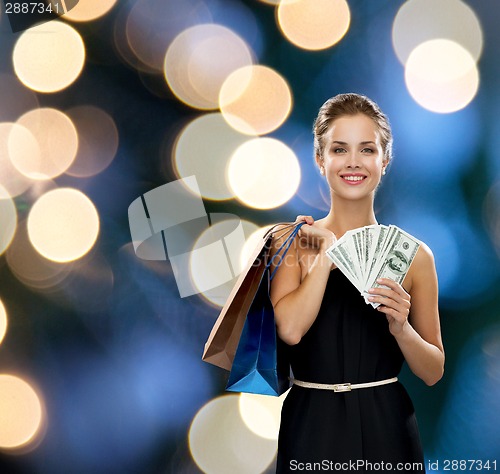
(367,142)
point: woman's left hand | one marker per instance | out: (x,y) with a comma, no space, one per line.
(394,302)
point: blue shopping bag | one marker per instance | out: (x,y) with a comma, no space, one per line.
(260,364)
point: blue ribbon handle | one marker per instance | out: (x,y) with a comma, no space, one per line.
(284,248)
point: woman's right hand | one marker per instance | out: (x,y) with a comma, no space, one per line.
(314,235)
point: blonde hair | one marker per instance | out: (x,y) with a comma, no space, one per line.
(351,104)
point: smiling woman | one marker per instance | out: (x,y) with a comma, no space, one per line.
(336,342)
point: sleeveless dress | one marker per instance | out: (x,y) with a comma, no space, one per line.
(348,342)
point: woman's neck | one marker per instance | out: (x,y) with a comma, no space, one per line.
(346,215)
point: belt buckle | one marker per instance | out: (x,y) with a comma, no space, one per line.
(342,387)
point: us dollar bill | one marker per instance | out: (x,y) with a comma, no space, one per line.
(377,251)
(396,258)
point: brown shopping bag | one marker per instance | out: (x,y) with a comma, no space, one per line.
(222,343)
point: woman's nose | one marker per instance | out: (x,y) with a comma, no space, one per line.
(352,160)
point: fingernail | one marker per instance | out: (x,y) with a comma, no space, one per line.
(371,290)
(371,298)
(379,280)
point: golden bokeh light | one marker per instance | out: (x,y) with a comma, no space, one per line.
(63,225)
(255,237)
(221,443)
(8,219)
(262,413)
(53,145)
(24,152)
(255,100)
(153,24)
(11,178)
(418,21)
(313,24)
(30,268)
(199,60)
(218,259)
(264,173)
(49,57)
(88,10)
(97,141)
(21,412)
(203,149)
(3,321)
(441,76)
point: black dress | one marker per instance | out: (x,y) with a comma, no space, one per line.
(348,342)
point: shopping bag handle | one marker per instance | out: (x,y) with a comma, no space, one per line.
(286,227)
(284,247)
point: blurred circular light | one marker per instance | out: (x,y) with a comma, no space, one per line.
(314,24)
(264,173)
(418,21)
(8,219)
(255,100)
(217,260)
(271,2)
(13,181)
(3,321)
(20,412)
(24,152)
(441,76)
(16,99)
(221,443)
(97,141)
(63,225)
(29,267)
(200,59)
(49,57)
(204,149)
(88,10)
(153,24)
(262,414)
(52,146)
(254,239)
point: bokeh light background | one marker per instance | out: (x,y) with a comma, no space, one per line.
(100,367)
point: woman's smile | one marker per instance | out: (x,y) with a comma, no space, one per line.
(353,179)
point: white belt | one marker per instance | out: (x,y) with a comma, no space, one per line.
(342,387)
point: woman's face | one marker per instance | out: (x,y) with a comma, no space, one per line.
(353,158)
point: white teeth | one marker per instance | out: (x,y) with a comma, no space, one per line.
(353,178)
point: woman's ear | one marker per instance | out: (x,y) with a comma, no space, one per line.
(385,164)
(319,162)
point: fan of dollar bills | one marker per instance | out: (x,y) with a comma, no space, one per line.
(376,251)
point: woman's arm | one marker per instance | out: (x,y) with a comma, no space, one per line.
(296,303)
(414,318)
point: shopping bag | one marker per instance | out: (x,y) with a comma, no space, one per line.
(222,342)
(260,364)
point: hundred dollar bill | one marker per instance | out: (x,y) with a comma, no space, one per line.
(369,233)
(395,260)
(342,255)
(376,249)
(356,240)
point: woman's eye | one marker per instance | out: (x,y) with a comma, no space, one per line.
(367,150)
(339,150)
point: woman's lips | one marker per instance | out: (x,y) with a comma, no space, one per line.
(353,179)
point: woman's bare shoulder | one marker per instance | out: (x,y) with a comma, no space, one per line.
(422,268)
